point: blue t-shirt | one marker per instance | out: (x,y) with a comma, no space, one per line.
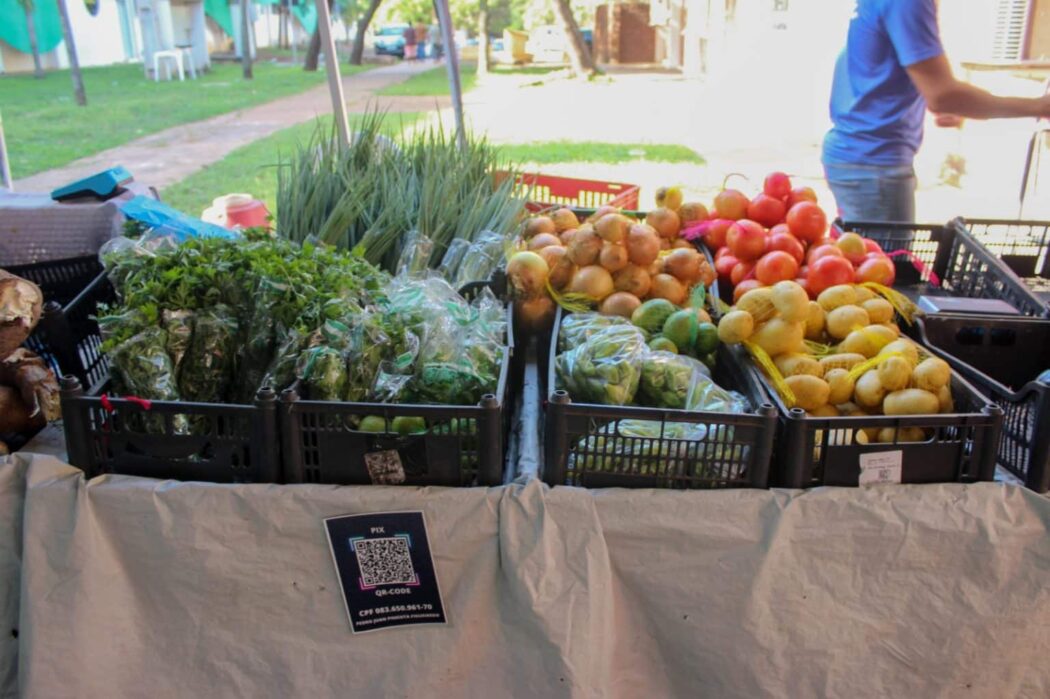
(876,110)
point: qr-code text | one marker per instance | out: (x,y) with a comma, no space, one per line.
(385,561)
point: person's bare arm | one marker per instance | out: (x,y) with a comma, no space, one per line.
(945,94)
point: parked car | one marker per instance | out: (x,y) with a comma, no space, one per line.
(548,43)
(390,40)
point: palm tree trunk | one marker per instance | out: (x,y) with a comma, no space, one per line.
(362,27)
(246,39)
(579,57)
(71,50)
(38,68)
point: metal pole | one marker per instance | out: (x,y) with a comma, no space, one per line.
(445,20)
(5,164)
(335,81)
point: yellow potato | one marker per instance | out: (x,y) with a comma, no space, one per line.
(868,341)
(879,310)
(944,397)
(932,374)
(824,411)
(845,319)
(851,409)
(777,336)
(792,364)
(759,303)
(911,401)
(841,386)
(815,317)
(810,392)
(869,392)
(791,301)
(841,361)
(735,326)
(889,435)
(863,294)
(894,373)
(906,348)
(835,296)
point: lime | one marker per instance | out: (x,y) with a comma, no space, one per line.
(707,338)
(409,425)
(372,423)
(663,344)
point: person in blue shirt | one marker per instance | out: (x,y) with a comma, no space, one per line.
(892,70)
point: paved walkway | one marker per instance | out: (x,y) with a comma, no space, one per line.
(168,156)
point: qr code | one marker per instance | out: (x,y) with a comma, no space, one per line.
(385,561)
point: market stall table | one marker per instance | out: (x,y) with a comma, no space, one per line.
(219,590)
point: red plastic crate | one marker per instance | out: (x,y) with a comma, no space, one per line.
(550,191)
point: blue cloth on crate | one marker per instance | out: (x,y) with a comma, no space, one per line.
(156,214)
(876,110)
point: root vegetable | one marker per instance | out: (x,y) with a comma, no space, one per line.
(932,374)
(585,247)
(894,373)
(835,296)
(665,221)
(567,236)
(911,401)
(691,212)
(643,244)
(14,414)
(815,320)
(620,303)
(845,319)
(777,336)
(906,348)
(791,301)
(559,264)
(539,224)
(665,286)
(810,392)
(879,310)
(868,341)
(759,303)
(825,411)
(21,303)
(889,435)
(841,361)
(841,386)
(564,219)
(535,315)
(944,397)
(36,383)
(686,265)
(542,240)
(612,227)
(868,392)
(735,326)
(527,272)
(634,280)
(613,257)
(592,281)
(793,364)
(864,294)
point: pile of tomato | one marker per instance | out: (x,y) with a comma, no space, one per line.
(782,234)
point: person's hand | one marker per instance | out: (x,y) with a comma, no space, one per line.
(948,121)
(1044,107)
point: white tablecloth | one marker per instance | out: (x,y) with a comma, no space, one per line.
(139,588)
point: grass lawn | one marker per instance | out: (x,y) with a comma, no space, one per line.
(45,129)
(252,168)
(546,152)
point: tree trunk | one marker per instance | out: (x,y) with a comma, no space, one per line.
(246,39)
(483,38)
(579,57)
(362,27)
(313,52)
(38,68)
(71,49)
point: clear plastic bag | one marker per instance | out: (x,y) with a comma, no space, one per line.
(605,368)
(208,364)
(452,258)
(577,327)
(481,259)
(416,249)
(668,379)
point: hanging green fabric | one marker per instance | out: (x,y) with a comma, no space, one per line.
(13,29)
(219,10)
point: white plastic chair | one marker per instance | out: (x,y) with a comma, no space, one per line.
(176,56)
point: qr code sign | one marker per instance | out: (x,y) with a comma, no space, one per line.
(385,561)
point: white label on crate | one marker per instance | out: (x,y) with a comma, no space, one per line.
(881,467)
(385,467)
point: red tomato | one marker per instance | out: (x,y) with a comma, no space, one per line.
(801,194)
(777,185)
(807,221)
(724,266)
(776,266)
(747,240)
(788,243)
(804,283)
(872,246)
(715,237)
(815,253)
(766,210)
(744,287)
(741,272)
(877,269)
(829,271)
(720,253)
(780,228)
(852,247)
(731,204)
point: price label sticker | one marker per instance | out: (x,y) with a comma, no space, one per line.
(385,467)
(881,467)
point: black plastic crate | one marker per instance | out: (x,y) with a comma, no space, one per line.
(1023,246)
(60,281)
(959,447)
(1003,356)
(214,442)
(951,256)
(582,439)
(322,441)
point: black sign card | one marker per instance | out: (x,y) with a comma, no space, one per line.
(385,569)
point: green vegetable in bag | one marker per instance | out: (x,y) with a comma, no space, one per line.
(605,368)
(208,364)
(667,379)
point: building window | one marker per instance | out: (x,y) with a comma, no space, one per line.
(1010,30)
